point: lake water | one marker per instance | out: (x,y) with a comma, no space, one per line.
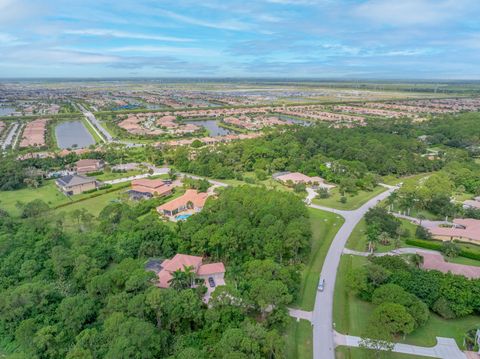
(294,120)
(73,133)
(6,111)
(212,127)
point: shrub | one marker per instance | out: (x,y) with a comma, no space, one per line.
(422,233)
(343,199)
(442,308)
(434,245)
(450,249)
(323,192)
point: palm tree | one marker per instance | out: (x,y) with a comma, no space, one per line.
(417,260)
(189,275)
(179,280)
(182,278)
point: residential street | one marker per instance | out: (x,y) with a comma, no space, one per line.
(322,319)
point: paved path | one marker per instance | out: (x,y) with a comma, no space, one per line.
(407,250)
(425,222)
(446,348)
(322,318)
(156,172)
(10,136)
(96,125)
(300,314)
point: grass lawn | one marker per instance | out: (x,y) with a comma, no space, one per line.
(48,193)
(96,204)
(392,180)
(299,337)
(90,129)
(324,227)
(357,353)
(358,240)
(353,202)
(351,314)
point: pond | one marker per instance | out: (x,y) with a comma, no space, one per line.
(73,134)
(212,127)
(294,120)
(6,111)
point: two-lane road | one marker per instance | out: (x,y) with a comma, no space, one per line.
(322,319)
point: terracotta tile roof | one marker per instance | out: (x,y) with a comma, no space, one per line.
(212,268)
(179,261)
(467,228)
(191,195)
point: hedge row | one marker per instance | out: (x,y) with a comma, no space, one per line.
(96,194)
(437,246)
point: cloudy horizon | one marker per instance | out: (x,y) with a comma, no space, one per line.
(346,39)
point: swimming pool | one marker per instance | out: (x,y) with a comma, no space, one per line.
(182,217)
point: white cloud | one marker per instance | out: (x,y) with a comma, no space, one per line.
(170,50)
(411,12)
(124,35)
(233,25)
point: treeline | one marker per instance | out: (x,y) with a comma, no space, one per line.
(76,287)
(404,294)
(15,174)
(353,155)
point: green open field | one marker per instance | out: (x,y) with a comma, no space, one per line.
(351,313)
(353,202)
(324,227)
(357,353)
(298,339)
(49,193)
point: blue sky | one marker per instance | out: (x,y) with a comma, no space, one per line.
(425,39)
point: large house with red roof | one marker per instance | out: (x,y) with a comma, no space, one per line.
(150,187)
(464,230)
(189,203)
(212,273)
(88,166)
(294,178)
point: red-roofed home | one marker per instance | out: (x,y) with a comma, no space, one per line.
(464,230)
(88,166)
(212,273)
(297,177)
(190,202)
(154,187)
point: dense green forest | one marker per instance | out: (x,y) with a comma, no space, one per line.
(83,292)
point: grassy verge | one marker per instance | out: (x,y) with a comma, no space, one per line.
(357,353)
(353,202)
(299,340)
(92,132)
(351,314)
(324,227)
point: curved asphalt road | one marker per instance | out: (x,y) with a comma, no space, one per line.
(322,318)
